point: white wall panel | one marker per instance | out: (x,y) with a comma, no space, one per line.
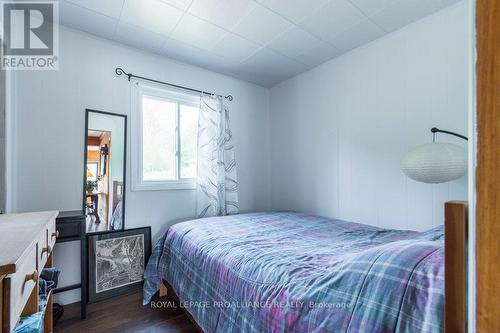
(339,130)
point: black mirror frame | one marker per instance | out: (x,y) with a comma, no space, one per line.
(87,112)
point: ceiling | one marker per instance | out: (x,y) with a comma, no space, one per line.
(261,41)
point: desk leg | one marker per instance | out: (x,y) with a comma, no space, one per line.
(83,263)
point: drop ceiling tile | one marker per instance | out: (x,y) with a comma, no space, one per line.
(266,80)
(294,10)
(152,15)
(224,13)
(139,38)
(111,8)
(235,48)
(219,64)
(268,61)
(332,19)
(403,12)
(261,25)
(318,54)
(181,4)
(209,61)
(197,32)
(369,7)
(190,54)
(360,34)
(80,18)
(293,42)
(175,47)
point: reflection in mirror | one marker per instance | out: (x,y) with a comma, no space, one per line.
(104,175)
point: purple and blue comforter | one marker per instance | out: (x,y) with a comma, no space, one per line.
(291,272)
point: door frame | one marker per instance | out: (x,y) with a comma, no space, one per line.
(487,174)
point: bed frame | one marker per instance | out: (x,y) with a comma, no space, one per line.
(455,249)
(455,308)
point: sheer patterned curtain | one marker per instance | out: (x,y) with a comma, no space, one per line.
(217,190)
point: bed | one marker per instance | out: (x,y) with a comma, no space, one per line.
(292,272)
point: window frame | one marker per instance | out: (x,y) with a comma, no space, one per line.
(140,89)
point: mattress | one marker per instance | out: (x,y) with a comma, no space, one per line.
(293,272)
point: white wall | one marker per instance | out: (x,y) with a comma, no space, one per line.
(339,130)
(49,134)
(3,90)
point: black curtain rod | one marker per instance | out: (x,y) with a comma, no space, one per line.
(119,71)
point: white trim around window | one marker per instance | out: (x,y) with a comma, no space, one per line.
(138,90)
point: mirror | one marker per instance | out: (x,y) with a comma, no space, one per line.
(104,170)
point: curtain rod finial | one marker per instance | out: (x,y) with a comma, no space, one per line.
(119,71)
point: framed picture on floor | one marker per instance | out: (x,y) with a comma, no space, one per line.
(117,261)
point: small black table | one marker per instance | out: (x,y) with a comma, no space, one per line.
(70,226)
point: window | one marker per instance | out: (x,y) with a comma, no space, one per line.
(164,138)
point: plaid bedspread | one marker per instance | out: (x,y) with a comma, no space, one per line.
(291,272)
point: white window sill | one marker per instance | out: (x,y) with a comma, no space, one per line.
(165,186)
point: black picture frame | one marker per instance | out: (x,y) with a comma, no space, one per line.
(98,292)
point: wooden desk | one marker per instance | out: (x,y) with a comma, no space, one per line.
(25,249)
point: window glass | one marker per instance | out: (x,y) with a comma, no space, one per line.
(188,140)
(159,139)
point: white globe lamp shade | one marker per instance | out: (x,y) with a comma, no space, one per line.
(435,163)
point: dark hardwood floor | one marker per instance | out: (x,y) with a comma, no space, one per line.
(124,314)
